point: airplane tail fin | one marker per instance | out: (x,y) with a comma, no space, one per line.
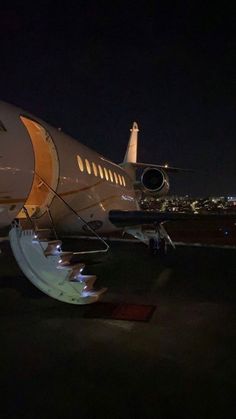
(131,152)
(130,163)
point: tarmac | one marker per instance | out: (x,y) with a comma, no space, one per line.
(181,362)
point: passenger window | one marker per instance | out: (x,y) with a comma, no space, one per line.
(106,174)
(116,178)
(95,170)
(88,167)
(124,182)
(111,176)
(120,180)
(100,171)
(80,163)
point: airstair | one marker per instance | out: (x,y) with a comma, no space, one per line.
(48,267)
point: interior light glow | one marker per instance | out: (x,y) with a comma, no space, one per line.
(80,163)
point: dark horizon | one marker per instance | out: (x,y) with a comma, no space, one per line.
(93,70)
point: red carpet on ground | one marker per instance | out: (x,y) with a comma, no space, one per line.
(121,311)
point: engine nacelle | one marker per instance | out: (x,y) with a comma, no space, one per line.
(155,181)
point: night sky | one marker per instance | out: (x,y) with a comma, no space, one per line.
(93,69)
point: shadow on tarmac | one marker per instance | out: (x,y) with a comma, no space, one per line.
(56,362)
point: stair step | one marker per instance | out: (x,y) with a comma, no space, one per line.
(53,248)
(94,293)
(65,258)
(63,267)
(87,280)
(43,233)
(76,271)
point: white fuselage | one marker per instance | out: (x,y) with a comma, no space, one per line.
(33,154)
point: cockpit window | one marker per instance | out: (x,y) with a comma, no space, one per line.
(2,128)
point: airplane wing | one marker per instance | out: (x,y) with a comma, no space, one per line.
(135,218)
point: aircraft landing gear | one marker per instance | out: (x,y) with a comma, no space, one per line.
(157,246)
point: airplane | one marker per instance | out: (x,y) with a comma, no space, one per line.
(52,186)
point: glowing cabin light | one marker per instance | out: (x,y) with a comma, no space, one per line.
(111,176)
(116,178)
(106,174)
(88,167)
(100,171)
(95,170)
(80,163)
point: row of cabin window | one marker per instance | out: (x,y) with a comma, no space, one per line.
(98,170)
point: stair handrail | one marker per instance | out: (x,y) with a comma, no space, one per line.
(77,215)
(34,227)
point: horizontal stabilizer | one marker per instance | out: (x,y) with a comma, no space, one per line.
(166,168)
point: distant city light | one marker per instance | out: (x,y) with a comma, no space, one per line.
(188,204)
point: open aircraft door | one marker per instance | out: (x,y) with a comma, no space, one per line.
(46,168)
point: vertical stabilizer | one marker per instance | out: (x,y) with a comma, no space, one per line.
(131,152)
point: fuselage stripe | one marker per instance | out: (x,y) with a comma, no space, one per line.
(15,201)
(73,192)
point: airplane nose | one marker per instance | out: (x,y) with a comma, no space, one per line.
(16,164)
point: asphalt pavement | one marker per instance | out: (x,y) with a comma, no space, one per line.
(58,362)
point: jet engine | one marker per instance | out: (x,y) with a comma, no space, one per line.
(155,182)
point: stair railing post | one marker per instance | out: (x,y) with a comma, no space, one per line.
(52,222)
